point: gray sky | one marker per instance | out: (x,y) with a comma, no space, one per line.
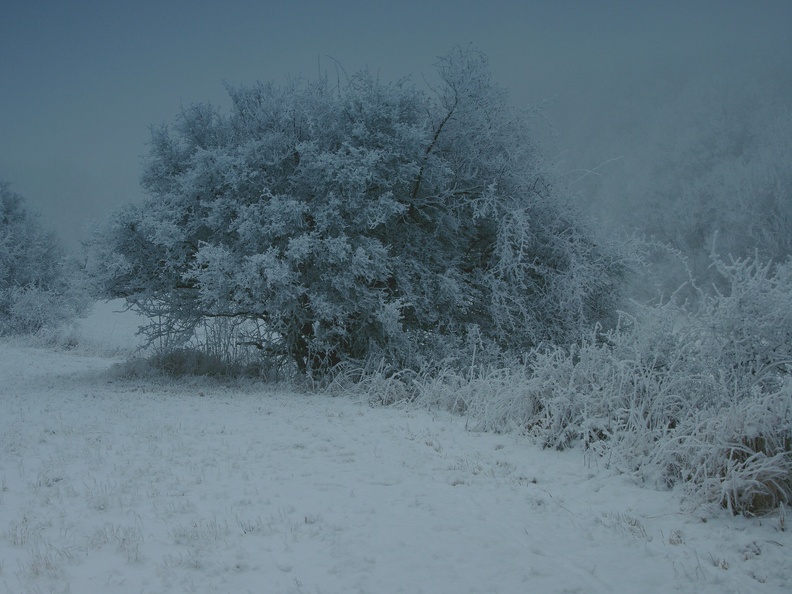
(83,80)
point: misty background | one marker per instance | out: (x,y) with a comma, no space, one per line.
(628,87)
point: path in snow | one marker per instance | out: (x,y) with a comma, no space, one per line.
(154,486)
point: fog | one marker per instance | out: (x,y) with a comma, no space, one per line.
(618,81)
(367,249)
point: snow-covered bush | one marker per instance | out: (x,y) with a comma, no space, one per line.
(39,285)
(698,396)
(359,223)
(738,454)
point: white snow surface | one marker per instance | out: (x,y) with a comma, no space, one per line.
(150,485)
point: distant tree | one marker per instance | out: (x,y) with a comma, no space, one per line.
(362,221)
(728,190)
(37,285)
(707,162)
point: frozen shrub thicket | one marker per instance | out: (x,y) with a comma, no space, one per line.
(695,396)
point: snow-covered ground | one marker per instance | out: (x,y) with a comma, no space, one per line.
(111,483)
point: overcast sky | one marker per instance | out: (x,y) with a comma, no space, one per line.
(82,81)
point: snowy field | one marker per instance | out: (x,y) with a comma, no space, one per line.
(144,485)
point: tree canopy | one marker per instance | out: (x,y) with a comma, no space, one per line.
(359,221)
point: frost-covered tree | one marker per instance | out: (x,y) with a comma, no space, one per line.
(355,222)
(37,285)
